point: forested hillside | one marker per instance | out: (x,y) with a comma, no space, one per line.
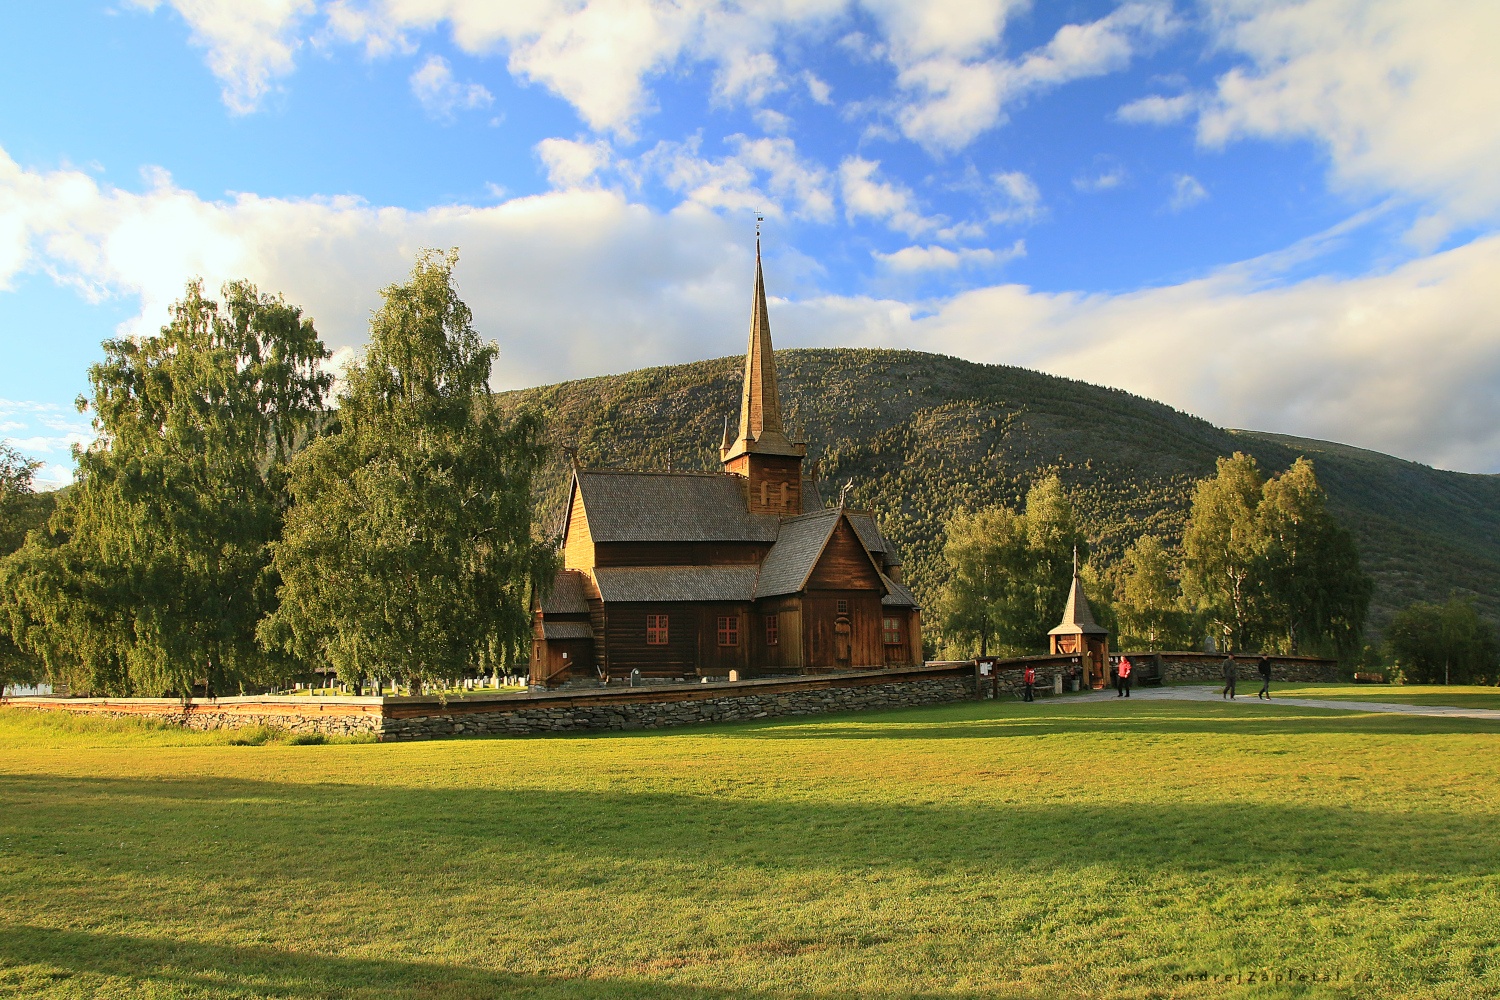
(921,435)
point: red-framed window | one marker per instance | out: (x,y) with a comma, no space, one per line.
(890,629)
(656,630)
(729,630)
(773,630)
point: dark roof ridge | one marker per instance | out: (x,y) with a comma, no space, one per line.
(652,472)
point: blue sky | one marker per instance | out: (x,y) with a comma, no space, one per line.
(1276,215)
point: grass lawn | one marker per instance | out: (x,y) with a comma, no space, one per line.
(978,850)
(1455,695)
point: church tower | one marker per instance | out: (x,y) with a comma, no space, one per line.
(768,460)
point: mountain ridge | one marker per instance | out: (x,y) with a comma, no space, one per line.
(921,435)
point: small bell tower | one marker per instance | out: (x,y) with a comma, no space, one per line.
(768,460)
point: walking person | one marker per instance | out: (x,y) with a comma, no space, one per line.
(1029,675)
(1265,677)
(1125,670)
(1229,678)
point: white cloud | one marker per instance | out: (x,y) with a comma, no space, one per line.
(572,163)
(819,91)
(765,175)
(1107,175)
(47,432)
(1405,362)
(250,43)
(773,122)
(953,97)
(1019,198)
(935,258)
(582,281)
(866,196)
(1186,192)
(440,94)
(1157,110)
(1400,94)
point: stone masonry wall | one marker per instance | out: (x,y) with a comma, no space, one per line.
(328,716)
(584,714)
(519,715)
(1210,669)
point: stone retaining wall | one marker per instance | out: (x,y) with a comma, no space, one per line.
(1210,669)
(688,708)
(399,719)
(329,716)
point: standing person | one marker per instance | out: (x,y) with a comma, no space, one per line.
(1114,675)
(1229,677)
(1125,669)
(1265,677)
(1030,676)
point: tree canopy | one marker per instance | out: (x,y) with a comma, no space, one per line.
(1267,567)
(1009,573)
(409,549)
(155,568)
(1444,644)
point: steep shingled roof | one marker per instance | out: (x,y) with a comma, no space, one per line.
(871,535)
(896,595)
(567,596)
(791,560)
(670,507)
(567,630)
(649,584)
(1078,617)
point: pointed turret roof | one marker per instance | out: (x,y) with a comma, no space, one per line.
(1078,617)
(760,430)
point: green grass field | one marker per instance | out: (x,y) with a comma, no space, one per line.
(978,850)
(1456,695)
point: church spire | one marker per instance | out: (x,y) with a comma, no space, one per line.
(761,431)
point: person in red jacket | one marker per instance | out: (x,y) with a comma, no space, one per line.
(1124,677)
(1029,675)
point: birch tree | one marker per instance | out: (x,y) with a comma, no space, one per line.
(409,550)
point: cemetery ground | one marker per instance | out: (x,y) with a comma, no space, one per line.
(1066,848)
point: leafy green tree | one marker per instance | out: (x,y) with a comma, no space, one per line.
(1222,548)
(18,515)
(1009,573)
(155,569)
(1315,593)
(409,548)
(1150,604)
(985,552)
(1053,541)
(1444,644)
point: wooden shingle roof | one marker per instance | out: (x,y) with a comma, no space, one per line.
(670,507)
(651,584)
(1078,617)
(567,596)
(567,630)
(791,559)
(896,595)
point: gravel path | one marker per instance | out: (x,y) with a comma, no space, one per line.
(1193,692)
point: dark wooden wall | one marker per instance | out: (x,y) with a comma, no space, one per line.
(773,483)
(692,639)
(844,564)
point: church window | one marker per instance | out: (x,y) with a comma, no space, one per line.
(890,628)
(843,607)
(656,630)
(729,630)
(773,630)
(763,485)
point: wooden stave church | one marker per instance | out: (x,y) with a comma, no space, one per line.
(688,575)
